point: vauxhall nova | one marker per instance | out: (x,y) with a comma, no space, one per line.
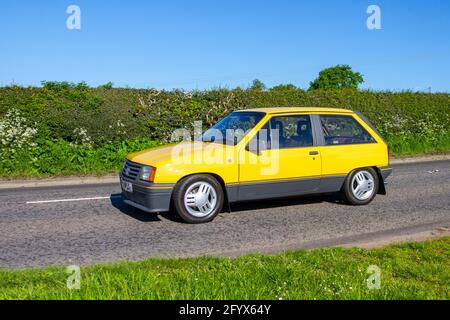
(260,154)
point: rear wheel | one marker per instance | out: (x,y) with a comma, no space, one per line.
(198,198)
(361,186)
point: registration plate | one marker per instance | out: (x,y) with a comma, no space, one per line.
(128,187)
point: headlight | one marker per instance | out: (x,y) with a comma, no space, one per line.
(147,173)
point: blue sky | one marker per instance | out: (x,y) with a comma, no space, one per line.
(199,44)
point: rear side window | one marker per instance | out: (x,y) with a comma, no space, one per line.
(339,129)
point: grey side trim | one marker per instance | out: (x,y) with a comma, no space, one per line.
(286,188)
(331,184)
(277,189)
(232,192)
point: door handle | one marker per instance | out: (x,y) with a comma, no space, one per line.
(313,153)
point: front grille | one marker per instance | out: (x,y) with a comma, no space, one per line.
(131,170)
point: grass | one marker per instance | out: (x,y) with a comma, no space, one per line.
(408,271)
(60,158)
(415,146)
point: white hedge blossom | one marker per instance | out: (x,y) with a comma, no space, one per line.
(120,127)
(81,137)
(426,128)
(15,135)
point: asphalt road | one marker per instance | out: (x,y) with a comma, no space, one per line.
(104,229)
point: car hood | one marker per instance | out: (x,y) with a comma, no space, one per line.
(171,153)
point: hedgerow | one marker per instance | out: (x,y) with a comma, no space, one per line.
(101,119)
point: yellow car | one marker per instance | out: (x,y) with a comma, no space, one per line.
(260,154)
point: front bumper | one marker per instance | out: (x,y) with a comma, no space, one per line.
(148,197)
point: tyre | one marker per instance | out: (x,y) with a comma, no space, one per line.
(198,198)
(361,186)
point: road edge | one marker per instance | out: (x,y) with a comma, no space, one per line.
(111,179)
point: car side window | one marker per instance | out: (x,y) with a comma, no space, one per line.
(292,131)
(340,129)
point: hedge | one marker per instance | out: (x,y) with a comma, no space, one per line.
(93,118)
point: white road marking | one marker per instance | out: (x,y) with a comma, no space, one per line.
(69,200)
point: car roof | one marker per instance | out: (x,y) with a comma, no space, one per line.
(276,110)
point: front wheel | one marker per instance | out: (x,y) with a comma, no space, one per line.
(198,198)
(361,186)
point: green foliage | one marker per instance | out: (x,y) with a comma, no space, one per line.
(258,85)
(408,271)
(59,157)
(92,119)
(106,86)
(338,77)
(64,95)
(284,87)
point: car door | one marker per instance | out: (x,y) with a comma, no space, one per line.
(281,160)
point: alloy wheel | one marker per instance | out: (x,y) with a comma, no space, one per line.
(363,185)
(200,199)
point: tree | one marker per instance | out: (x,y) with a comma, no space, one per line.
(258,85)
(284,87)
(338,77)
(107,85)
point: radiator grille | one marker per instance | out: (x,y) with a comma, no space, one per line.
(131,170)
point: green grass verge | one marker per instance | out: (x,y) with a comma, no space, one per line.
(410,145)
(408,271)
